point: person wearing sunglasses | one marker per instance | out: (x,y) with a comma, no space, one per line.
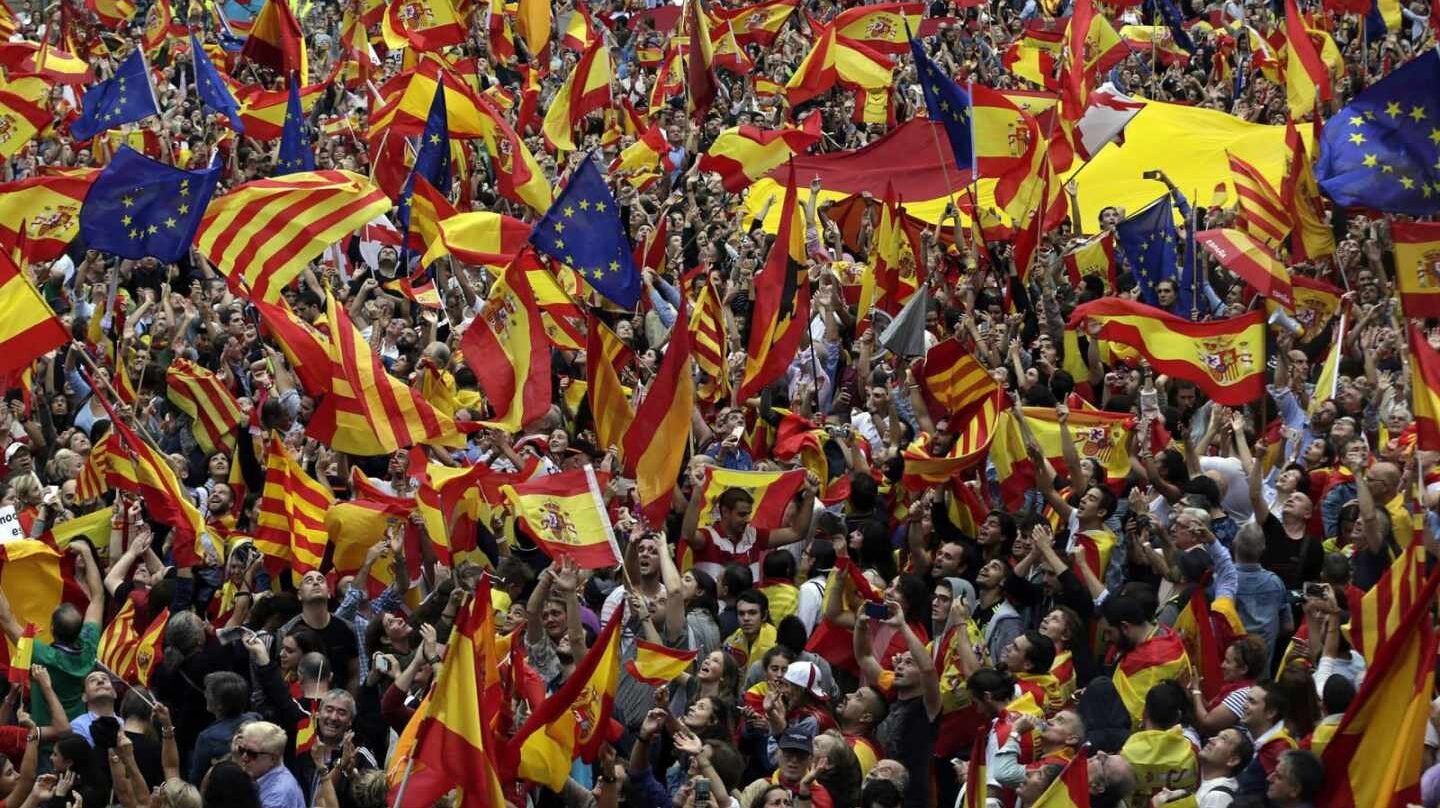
(260,750)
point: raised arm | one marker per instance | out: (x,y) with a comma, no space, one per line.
(870,669)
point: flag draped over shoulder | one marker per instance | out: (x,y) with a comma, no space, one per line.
(1225,358)
(261,235)
(1160,657)
(566,514)
(1070,790)
(1374,758)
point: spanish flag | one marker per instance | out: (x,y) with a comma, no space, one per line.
(149,650)
(609,405)
(758,23)
(277,42)
(1013,466)
(24,112)
(743,154)
(700,75)
(42,214)
(656,665)
(1161,758)
(290,518)
(895,263)
(478,239)
(833,60)
(781,301)
(262,112)
(579,30)
(585,90)
(554,734)
(1195,627)
(507,349)
(534,21)
(640,162)
(1070,790)
(772,492)
(1417,267)
(1312,237)
(1316,304)
(1374,757)
(1158,658)
(1225,358)
(656,442)
(454,746)
(566,514)
(1307,79)
(1425,390)
(1093,256)
(1329,380)
(1102,436)
(424,25)
(23,657)
(120,639)
(1247,257)
(29,328)
(880,26)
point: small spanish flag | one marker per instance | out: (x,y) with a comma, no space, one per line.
(20,660)
(657,665)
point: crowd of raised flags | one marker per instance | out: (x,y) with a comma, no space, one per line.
(719,404)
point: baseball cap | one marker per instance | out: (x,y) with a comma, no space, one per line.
(797,738)
(13,448)
(805,675)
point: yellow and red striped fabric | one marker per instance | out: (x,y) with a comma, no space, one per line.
(277,42)
(290,519)
(29,328)
(1425,391)
(657,665)
(1261,212)
(134,465)
(609,405)
(263,111)
(757,23)
(478,238)
(708,341)
(120,639)
(24,112)
(148,649)
(43,213)
(261,235)
(655,444)
(27,58)
(835,59)
(213,408)
(565,513)
(954,378)
(507,349)
(772,492)
(1416,275)
(881,26)
(743,154)
(368,411)
(1158,658)
(585,90)
(780,300)
(1246,256)
(424,25)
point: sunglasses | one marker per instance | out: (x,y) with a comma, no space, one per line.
(246,752)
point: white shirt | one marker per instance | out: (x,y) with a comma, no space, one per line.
(1207,797)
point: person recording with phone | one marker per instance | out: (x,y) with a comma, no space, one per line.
(908,732)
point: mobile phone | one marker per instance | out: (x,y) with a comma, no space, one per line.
(877,611)
(702,791)
(381,663)
(231,634)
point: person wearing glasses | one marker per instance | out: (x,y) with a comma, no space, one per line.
(260,750)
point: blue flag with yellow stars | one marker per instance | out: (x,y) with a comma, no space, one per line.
(582,230)
(1151,248)
(140,208)
(214,95)
(1174,21)
(126,97)
(432,161)
(946,103)
(295,152)
(1382,151)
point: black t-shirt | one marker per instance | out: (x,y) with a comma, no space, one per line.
(1294,561)
(338,643)
(908,735)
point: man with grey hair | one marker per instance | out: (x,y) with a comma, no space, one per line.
(260,750)
(333,717)
(1260,595)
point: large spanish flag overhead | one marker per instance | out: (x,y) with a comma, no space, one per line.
(566,514)
(1425,390)
(507,348)
(880,26)
(1374,759)
(1225,358)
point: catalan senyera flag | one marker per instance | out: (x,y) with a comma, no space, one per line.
(368,411)
(43,213)
(1246,256)
(119,639)
(455,745)
(1070,790)
(566,514)
(276,41)
(479,238)
(1204,649)
(744,154)
(30,328)
(708,340)
(574,719)
(139,467)
(209,403)
(609,405)
(772,491)
(261,235)
(781,303)
(1225,358)
(1307,79)
(585,90)
(1158,658)
(833,60)
(1425,391)
(655,444)
(290,519)
(954,378)
(1376,616)
(1417,267)
(758,23)
(879,26)
(924,470)
(1261,212)
(1374,758)
(507,349)
(262,112)
(656,665)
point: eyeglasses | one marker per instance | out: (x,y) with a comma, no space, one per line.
(246,752)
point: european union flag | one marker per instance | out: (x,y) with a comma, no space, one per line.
(1382,151)
(432,162)
(214,95)
(582,230)
(140,208)
(1151,246)
(947,105)
(126,97)
(295,152)
(1174,21)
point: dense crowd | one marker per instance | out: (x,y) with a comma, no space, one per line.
(872,641)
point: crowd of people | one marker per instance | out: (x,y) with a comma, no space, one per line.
(872,642)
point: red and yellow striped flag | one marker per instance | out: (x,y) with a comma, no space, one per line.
(120,639)
(743,154)
(24,112)
(424,25)
(1070,790)
(478,239)
(780,300)
(290,519)
(758,23)
(46,211)
(262,111)
(1195,627)
(262,234)
(954,378)
(880,26)
(585,90)
(566,514)
(1244,255)
(772,492)
(199,394)
(507,348)
(1160,657)
(657,665)
(1261,213)
(609,405)
(277,42)
(708,341)
(1425,391)
(655,444)
(1375,756)
(1226,358)
(368,411)
(1417,267)
(836,60)
(24,655)
(29,328)
(148,651)
(135,465)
